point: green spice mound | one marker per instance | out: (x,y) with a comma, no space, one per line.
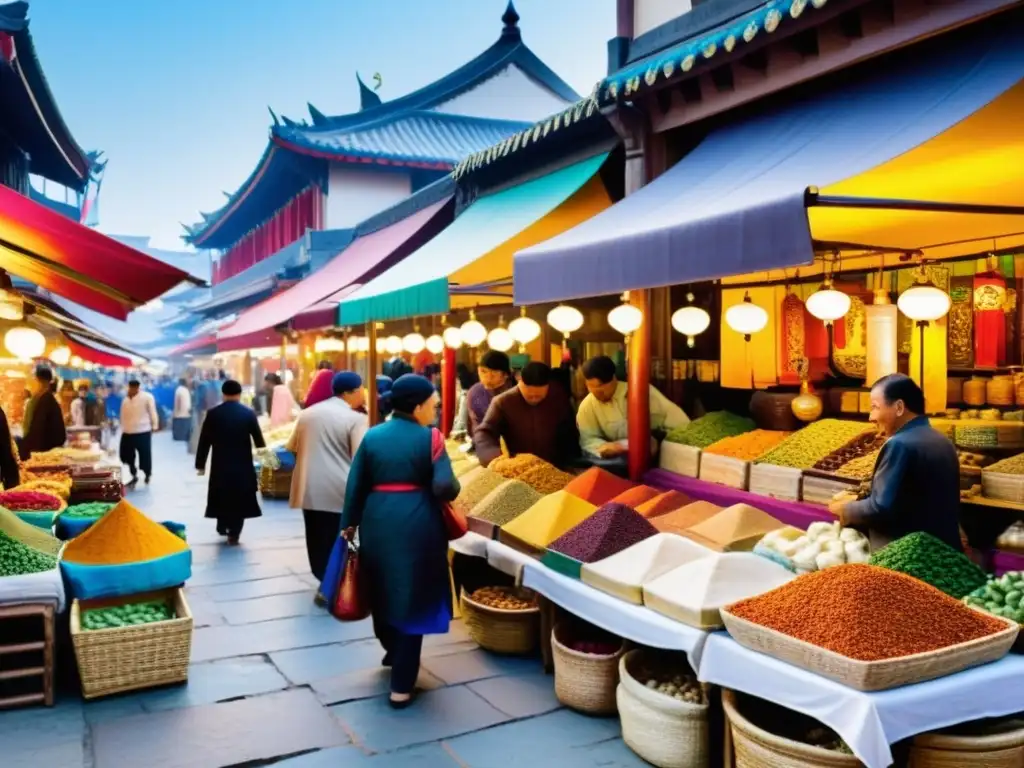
(702,432)
(805,448)
(1003,596)
(17,559)
(92,509)
(924,557)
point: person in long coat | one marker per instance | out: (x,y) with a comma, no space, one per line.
(43,425)
(394,495)
(229,430)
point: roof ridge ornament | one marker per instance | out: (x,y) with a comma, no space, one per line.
(511,21)
(368,99)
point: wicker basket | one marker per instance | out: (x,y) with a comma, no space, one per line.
(999,390)
(995,750)
(275,483)
(974,392)
(777,482)
(871,675)
(585,682)
(757,748)
(1002,486)
(501,631)
(682,459)
(725,470)
(663,731)
(131,658)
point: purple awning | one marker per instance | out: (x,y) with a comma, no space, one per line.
(737,203)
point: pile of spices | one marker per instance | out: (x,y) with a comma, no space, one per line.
(735,529)
(1011,466)
(749,446)
(30,501)
(634,497)
(464,467)
(611,529)
(680,520)
(934,562)
(624,573)
(506,502)
(709,429)
(548,519)
(664,503)
(860,469)
(512,467)
(26,533)
(868,443)
(545,478)
(476,485)
(123,535)
(598,486)
(867,613)
(17,559)
(804,449)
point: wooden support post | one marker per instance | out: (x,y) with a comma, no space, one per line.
(371,374)
(638,397)
(347,359)
(447,390)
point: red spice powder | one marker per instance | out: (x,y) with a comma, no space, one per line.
(598,486)
(867,613)
(634,497)
(664,503)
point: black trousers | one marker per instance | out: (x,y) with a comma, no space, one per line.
(230,527)
(322,530)
(404,651)
(141,444)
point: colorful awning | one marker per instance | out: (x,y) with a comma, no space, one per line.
(324,314)
(261,339)
(468,263)
(78,263)
(96,355)
(933,123)
(197,346)
(365,257)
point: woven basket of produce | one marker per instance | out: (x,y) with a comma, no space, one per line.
(724,470)
(586,671)
(999,744)
(133,646)
(502,619)
(878,649)
(663,709)
(974,392)
(683,460)
(755,747)
(999,390)
(776,482)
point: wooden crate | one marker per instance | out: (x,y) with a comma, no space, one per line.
(40,651)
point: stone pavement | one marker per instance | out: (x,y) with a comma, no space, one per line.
(275,681)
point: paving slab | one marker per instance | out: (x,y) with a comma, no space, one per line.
(270,607)
(248,590)
(607,754)
(216,574)
(436,715)
(216,681)
(30,729)
(112,708)
(429,756)
(519,695)
(523,740)
(304,665)
(365,684)
(260,728)
(70,754)
(472,665)
(212,643)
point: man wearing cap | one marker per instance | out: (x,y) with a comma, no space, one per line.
(229,431)
(325,439)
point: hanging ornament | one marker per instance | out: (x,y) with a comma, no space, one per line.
(472,332)
(524,329)
(500,339)
(625,318)
(60,355)
(746,317)
(827,304)
(414,343)
(690,321)
(452,338)
(565,320)
(393,345)
(435,344)
(25,343)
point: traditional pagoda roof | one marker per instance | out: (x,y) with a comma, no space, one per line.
(30,115)
(406,132)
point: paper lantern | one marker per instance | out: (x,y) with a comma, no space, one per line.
(381,345)
(565,319)
(472,331)
(524,329)
(924,302)
(827,304)
(746,317)
(60,355)
(690,321)
(76,362)
(11,306)
(414,343)
(25,343)
(500,339)
(881,350)
(329,345)
(452,338)
(435,344)
(392,345)
(626,319)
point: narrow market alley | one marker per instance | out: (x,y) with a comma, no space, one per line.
(275,680)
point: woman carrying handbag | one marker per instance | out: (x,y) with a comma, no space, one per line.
(399,492)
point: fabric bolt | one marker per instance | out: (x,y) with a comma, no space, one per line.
(867,722)
(322,530)
(546,430)
(229,432)
(138,445)
(601,423)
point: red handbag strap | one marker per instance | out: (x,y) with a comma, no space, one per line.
(436,444)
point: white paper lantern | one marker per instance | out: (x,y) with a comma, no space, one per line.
(626,319)
(452,338)
(746,317)
(690,321)
(382,345)
(924,302)
(500,339)
(472,332)
(60,355)
(828,304)
(565,319)
(414,343)
(76,362)
(329,345)
(25,343)
(435,344)
(11,306)
(359,343)
(524,329)
(392,345)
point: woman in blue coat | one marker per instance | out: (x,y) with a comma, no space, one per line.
(395,490)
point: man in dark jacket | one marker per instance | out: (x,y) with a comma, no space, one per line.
(43,425)
(916,483)
(229,430)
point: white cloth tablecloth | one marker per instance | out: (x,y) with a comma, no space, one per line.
(509,561)
(46,587)
(868,722)
(472,544)
(633,622)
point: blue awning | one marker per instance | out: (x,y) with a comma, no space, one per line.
(737,204)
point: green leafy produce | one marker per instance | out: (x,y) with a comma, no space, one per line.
(702,432)
(129,615)
(17,559)
(92,509)
(1003,596)
(924,557)
(804,449)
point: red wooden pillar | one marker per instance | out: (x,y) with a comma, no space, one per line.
(447,390)
(639,393)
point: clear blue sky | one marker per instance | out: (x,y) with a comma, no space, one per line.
(175,92)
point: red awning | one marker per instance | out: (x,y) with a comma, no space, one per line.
(97,356)
(367,256)
(193,345)
(78,263)
(254,340)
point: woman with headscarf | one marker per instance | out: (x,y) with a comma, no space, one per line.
(495,374)
(384,385)
(397,483)
(283,408)
(321,389)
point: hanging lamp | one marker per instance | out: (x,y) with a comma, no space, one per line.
(25,343)
(500,339)
(60,355)
(924,301)
(625,318)
(746,317)
(690,321)
(827,304)
(393,345)
(524,329)
(472,332)
(565,320)
(414,343)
